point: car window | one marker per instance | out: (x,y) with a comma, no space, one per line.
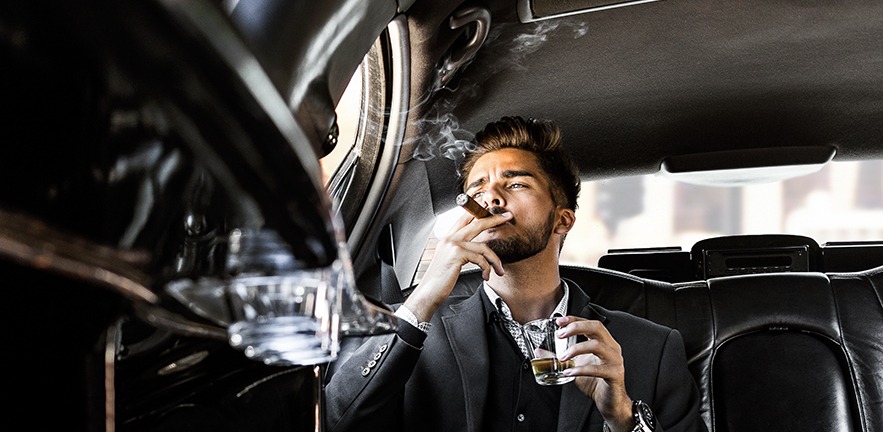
(840,203)
(346,170)
(348,111)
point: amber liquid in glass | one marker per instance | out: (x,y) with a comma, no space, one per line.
(550,371)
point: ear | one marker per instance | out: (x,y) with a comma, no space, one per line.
(566,218)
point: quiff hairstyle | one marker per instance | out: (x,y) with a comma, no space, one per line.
(540,137)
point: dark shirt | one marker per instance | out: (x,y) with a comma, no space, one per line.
(515,402)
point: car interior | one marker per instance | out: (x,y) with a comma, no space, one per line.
(155,151)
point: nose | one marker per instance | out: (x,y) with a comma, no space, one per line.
(493,196)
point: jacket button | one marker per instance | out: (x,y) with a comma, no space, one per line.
(377,356)
(366,371)
(382,348)
(520,418)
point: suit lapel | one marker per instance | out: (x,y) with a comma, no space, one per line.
(464,326)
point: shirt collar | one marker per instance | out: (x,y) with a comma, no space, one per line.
(560,309)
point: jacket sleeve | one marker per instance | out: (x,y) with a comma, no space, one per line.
(676,400)
(365,391)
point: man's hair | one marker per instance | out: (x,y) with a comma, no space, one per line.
(540,137)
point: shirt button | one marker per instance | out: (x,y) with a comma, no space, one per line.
(524,366)
(520,418)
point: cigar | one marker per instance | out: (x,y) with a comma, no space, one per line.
(472,206)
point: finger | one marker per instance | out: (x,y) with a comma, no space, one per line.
(485,266)
(592,348)
(592,329)
(483,256)
(598,340)
(593,358)
(459,223)
(606,371)
(474,227)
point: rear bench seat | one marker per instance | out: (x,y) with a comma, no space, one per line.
(770,352)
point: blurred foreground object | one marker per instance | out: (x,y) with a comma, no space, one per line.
(140,138)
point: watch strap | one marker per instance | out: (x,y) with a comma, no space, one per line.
(645,421)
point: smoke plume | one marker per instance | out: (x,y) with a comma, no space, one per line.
(439,132)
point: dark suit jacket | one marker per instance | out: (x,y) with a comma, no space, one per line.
(401,382)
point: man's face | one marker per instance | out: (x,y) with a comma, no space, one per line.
(511,180)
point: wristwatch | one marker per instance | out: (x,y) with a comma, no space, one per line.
(645,421)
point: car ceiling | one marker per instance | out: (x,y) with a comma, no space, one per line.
(632,86)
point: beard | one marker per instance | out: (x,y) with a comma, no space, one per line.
(521,246)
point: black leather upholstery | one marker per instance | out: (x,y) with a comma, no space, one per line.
(770,352)
(772,357)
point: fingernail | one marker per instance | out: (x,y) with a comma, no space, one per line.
(506,214)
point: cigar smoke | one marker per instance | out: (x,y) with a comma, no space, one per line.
(441,134)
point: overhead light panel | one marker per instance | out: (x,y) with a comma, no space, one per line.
(537,10)
(751,166)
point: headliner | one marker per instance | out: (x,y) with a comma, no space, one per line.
(631,86)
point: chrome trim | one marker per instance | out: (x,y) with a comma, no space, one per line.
(36,244)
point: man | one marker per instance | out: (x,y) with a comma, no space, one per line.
(457,363)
